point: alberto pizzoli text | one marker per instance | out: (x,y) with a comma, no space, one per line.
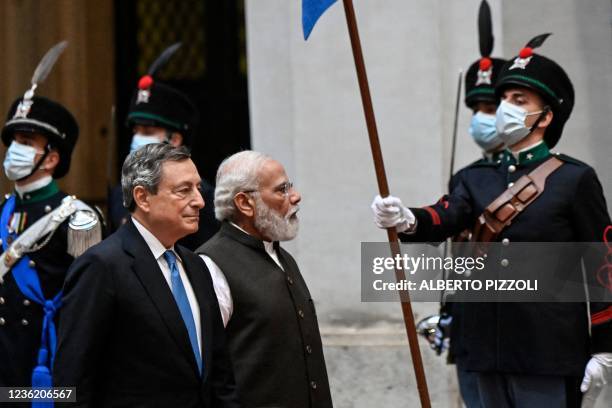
(458,285)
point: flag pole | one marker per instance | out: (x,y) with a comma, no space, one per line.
(383,188)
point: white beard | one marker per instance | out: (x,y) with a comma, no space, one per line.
(274,226)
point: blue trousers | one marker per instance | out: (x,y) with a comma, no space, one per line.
(527,391)
(468,387)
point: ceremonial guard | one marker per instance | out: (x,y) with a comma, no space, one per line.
(42,230)
(160,113)
(480,90)
(481,99)
(525,354)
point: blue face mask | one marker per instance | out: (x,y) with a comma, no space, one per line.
(139,140)
(483,131)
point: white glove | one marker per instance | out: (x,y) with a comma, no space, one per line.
(598,373)
(389,212)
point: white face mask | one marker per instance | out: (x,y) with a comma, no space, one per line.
(139,140)
(510,123)
(19,161)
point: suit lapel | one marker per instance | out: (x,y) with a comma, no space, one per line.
(195,271)
(150,275)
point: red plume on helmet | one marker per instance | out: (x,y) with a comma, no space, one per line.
(481,75)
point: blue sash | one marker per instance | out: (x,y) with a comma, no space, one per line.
(29,284)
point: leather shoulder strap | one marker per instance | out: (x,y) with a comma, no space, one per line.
(500,213)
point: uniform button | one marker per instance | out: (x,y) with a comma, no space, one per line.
(505,241)
(301,313)
(505,262)
(511,168)
(27,196)
(26,302)
(2,301)
(31,264)
(290,280)
(308,349)
(313,385)
(47,208)
(510,185)
(24,322)
(2,321)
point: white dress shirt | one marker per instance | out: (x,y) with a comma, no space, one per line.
(158,249)
(222,289)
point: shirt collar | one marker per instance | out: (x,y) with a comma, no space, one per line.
(156,247)
(269,247)
(37,190)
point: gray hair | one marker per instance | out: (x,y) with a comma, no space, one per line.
(143,167)
(237,173)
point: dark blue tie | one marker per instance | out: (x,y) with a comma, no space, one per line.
(180,295)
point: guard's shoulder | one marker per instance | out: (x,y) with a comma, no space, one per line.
(85,228)
(482,163)
(571,160)
(84,217)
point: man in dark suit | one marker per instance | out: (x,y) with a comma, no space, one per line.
(141,325)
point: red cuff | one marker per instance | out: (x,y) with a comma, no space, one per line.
(435,218)
(602,317)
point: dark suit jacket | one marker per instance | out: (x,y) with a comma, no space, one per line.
(122,341)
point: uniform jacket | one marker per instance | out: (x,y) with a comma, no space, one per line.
(20,318)
(534,338)
(122,341)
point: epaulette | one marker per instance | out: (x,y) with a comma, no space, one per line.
(569,159)
(84,229)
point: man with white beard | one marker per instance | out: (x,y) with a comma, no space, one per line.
(270,319)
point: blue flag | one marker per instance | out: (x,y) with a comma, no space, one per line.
(311,11)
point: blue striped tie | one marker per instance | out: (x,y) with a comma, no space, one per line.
(180,295)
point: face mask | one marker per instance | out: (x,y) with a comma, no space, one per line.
(139,140)
(510,123)
(483,131)
(19,161)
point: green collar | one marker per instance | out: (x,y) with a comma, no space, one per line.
(38,195)
(494,157)
(536,153)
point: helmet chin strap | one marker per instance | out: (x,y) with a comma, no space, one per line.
(539,119)
(37,166)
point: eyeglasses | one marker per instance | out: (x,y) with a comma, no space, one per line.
(283,189)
